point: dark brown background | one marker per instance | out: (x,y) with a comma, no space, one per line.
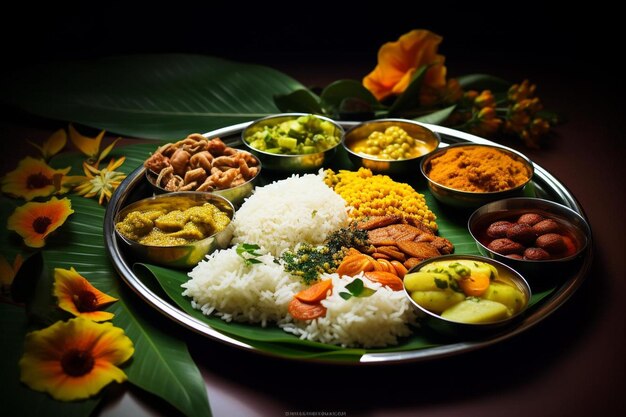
(572,364)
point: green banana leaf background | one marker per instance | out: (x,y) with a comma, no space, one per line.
(161,97)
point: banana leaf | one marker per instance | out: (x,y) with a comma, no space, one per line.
(149,96)
(452,225)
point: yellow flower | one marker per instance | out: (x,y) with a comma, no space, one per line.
(75,359)
(101,182)
(90,146)
(8,271)
(398,61)
(53,144)
(34,178)
(76,295)
(35,221)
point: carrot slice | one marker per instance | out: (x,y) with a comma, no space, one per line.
(474,285)
(305,311)
(401,271)
(385,278)
(316,292)
(387,266)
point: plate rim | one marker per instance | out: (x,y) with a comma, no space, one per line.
(555,301)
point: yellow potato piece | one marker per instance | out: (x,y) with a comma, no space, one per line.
(473,310)
(505,294)
(428,281)
(437,301)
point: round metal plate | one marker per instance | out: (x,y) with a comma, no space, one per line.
(544,182)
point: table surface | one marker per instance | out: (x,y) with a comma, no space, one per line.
(571,364)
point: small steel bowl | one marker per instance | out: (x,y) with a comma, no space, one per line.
(457,329)
(235,195)
(538,272)
(290,163)
(181,256)
(389,166)
(468,199)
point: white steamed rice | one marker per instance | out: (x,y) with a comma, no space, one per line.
(286,212)
(374,321)
(278,217)
(258,293)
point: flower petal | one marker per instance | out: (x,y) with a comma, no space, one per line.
(8,271)
(70,287)
(35,221)
(397,61)
(88,146)
(107,150)
(54,144)
(43,366)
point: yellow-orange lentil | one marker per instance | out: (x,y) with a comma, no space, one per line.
(379,195)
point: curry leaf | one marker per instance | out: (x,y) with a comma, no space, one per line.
(357,289)
(436,117)
(149,96)
(250,250)
(302,101)
(483,82)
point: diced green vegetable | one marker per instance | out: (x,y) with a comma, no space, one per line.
(304,135)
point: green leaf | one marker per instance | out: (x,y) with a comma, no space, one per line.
(164,367)
(436,117)
(481,82)
(149,96)
(338,91)
(299,101)
(410,98)
(161,364)
(16,398)
(348,99)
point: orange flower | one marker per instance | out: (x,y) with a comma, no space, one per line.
(34,178)
(53,144)
(8,271)
(35,221)
(75,359)
(76,295)
(398,61)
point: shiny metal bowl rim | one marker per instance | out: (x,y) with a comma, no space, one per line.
(529,164)
(288,115)
(586,233)
(167,195)
(437,139)
(495,324)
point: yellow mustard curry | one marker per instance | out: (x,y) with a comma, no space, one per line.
(161,227)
